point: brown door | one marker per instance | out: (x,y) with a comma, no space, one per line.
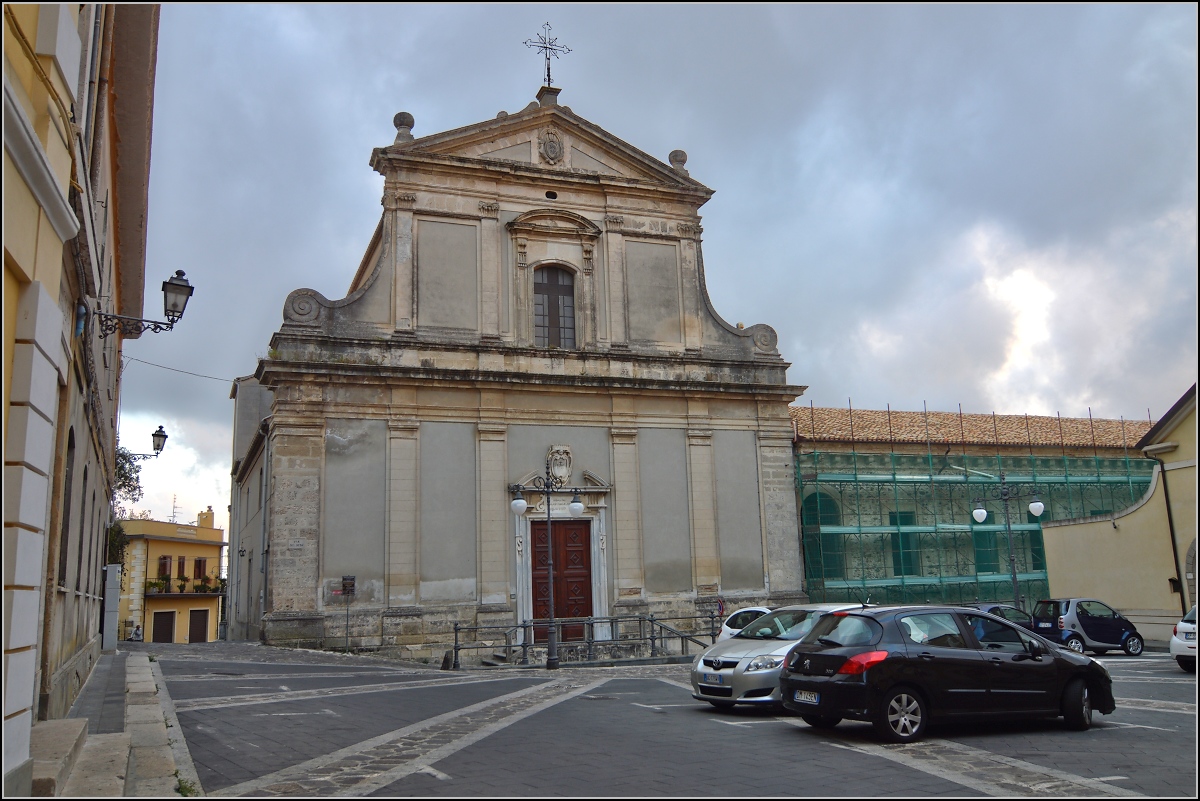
(164,627)
(198,626)
(572,575)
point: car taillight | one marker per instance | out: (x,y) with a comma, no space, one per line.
(859,664)
(1175,630)
(1061,625)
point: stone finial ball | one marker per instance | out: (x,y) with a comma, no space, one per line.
(677,158)
(403,120)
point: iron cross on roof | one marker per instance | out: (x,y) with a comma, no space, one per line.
(549,46)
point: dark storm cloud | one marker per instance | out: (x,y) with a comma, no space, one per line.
(884,176)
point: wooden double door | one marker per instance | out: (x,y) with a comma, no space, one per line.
(572,542)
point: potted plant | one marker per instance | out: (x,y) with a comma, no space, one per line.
(182,582)
(154,586)
(204,582)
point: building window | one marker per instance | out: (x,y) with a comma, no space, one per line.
(824,550)
(987,558)
(164,567)
(906,558)
(199,568)
(553,308)
(181,573)
(64,538)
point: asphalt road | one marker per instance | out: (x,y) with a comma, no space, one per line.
(261,722)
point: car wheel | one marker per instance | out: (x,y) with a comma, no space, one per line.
(903,716)
(821,721)
(1188,663)
(1075,643)
(1100,651)
(1077,706)
(1133,645)
(722,704)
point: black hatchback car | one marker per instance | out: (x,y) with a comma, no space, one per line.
(899,667)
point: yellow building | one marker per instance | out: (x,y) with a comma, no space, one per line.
(171,580)
(78,105)
(1142,560)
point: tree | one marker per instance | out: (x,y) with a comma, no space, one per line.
(128,486)
(118,541)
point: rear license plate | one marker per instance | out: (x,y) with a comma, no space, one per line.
(1043,625)
(714,678)
(1189,635)
(805,697)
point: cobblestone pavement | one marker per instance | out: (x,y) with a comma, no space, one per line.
(261,721)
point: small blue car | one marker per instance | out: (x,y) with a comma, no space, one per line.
(1085,624)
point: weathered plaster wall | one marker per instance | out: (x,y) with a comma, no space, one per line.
(447,274)
(665,523)
(738,510)
(448,512)
(354,508)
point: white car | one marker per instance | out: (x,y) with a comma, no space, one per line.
(740,619)
(1183,642)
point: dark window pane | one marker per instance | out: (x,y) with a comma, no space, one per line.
(553,308)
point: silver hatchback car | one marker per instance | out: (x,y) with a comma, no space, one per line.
(744,669)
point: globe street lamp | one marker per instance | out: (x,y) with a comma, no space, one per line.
(1005,494)
(548,485)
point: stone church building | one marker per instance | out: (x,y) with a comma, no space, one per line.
(535,285)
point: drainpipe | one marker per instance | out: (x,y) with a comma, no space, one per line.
(1153,451)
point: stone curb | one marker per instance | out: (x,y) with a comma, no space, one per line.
(152,765)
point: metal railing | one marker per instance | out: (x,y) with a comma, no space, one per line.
(614,630)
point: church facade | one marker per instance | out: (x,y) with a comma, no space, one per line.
(533,299)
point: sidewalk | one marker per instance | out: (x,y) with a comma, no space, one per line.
(120,738)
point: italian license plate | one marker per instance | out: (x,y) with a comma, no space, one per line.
(1043,625)
(1189,635)
(805,697)
(714,678)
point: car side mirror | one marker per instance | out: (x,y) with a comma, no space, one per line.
(1035,649)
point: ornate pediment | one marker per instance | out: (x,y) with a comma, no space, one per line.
(549,137)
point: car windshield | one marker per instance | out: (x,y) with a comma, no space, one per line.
(841,629)
(783,624)
(1190,617)
(1046,609)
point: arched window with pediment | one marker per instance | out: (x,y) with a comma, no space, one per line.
(553,308)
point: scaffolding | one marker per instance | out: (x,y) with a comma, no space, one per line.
(897,528)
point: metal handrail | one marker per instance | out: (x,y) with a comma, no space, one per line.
(649,628)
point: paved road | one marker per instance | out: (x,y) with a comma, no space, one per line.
(266,722)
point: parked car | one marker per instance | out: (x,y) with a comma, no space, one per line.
(900,667)
(1010,613)
(1086,624)
(740,619)
(744,669)
(1183,642)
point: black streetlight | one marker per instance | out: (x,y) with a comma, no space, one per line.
(176,291)
(1005,494)
(548,485)
(159,438)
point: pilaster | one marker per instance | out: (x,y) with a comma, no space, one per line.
(403,543)
(627,539)
(702,490)
(398,212)
(493,514)
(297,452)
(618,304)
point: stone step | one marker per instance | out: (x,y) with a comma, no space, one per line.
(54,746)
(101,768)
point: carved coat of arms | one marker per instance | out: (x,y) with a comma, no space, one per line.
(550,145)
(560,462)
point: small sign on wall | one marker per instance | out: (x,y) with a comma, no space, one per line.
(296,543)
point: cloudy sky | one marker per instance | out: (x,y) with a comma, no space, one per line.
(986,205)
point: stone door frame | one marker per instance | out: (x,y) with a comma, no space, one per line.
(595,500)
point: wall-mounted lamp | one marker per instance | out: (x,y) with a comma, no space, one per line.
(176,291)
(159,438)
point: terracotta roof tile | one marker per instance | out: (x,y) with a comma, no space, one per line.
(872,425)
